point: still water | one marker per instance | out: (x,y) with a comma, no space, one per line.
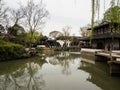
(56,71)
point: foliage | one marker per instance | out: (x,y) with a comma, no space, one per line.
(16,30)
(39,49)
(93,16)
(35,38)
(112,14)
(10,51)
(95,10)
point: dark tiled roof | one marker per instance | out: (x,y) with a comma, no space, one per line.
(103,24)
(103,36)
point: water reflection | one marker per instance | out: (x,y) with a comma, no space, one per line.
(22,75)
(99,75)
(56,71)
(64,59)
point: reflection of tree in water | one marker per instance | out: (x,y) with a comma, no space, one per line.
(25,78)
(66,67)
(35,82)
(65,59)
(66,62)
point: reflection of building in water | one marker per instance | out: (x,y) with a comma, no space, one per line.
(63,54)
(98,75)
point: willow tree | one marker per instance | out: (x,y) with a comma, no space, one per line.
(114,15)
(96,9)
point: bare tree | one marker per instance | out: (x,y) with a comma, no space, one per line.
(35,15)
(84,32)
(55,34)
(66,34)
(66,30)
(16,15)
(3,11)
(4,20)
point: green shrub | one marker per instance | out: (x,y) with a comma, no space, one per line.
(10,51)
(39,49)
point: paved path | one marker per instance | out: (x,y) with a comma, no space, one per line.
(101,52)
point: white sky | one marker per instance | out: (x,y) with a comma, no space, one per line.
(74,13)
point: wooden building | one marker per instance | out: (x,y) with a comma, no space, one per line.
(104,37)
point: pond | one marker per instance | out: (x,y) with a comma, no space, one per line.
(56,71)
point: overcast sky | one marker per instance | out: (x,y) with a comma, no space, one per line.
(74,13)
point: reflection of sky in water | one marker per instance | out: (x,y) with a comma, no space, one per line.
(61,71)
(76,80)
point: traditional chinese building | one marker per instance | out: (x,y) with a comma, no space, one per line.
(104,37)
